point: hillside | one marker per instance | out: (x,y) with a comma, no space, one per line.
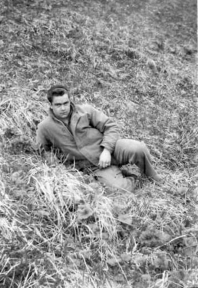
(136,61)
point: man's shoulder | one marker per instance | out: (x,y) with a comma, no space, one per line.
(45,123)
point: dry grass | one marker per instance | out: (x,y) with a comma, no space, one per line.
(136,61)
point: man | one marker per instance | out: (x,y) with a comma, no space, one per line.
(86,135)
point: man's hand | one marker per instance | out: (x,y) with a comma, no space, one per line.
(105,159)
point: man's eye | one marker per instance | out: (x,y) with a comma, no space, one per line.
(64,104)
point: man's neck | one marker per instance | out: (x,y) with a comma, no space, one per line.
(65,121)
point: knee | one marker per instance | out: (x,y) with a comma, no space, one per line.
(144,147)
(141,148)
(143,152)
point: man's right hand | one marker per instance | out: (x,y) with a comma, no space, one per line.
(105,159)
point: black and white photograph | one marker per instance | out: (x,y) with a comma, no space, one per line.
(98,144)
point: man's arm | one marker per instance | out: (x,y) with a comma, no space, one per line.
(44,147)
(106,126)
(109,129)
(42,143)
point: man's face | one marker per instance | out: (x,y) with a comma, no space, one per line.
(61,106)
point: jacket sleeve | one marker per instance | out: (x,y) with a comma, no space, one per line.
(42,143)
(106,126)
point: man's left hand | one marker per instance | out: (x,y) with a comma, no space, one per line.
(105,159)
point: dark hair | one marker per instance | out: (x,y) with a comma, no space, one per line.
(57,90)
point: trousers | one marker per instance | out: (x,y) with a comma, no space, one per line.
(127,151)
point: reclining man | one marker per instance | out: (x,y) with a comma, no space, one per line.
(86,135)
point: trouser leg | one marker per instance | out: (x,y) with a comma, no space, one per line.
(112,176)
(129,151)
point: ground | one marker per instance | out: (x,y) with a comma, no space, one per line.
(136,61)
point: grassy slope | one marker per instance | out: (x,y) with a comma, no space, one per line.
(136,61)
